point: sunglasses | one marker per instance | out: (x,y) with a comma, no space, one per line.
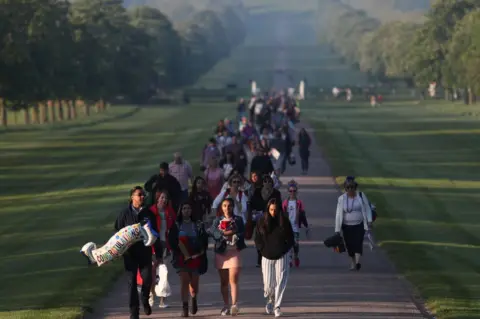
(292,190)
(235,182)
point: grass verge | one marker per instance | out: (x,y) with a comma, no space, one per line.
(419,163)
(63,188)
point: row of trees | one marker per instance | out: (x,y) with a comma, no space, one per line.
(95,50)
(445,48)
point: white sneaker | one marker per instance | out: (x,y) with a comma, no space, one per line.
(225,311)
(234,310)
(151,300)
(278,313)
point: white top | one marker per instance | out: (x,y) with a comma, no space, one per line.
(292,214)
(341,207)
(352,211)
(240,208)
(163,225)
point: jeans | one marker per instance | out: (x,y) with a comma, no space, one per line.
(304,162)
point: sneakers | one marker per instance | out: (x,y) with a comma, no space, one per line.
(278,313)
(234,310)
(151,300)
(162,304)
(225,311)
(269,307)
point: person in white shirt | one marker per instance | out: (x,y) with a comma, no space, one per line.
(353,219)
(239,197)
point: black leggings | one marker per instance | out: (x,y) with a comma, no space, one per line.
(353,236)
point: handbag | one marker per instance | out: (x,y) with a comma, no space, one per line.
(162,288)
(336,242)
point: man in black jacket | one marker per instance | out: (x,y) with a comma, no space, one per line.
(164,181)
(262,163)
(138,256)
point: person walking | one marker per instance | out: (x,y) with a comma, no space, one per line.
(182,171)
(228,232)
(274,239)
(353,219)
(189,241)
(138,256)
(304,142)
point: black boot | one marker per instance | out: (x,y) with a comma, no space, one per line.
(194,305)
(185,309)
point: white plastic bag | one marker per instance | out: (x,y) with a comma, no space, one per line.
(162,289)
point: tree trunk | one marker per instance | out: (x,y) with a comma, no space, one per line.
(73,108)
(59,107)
(43,113)
(66,106)
(51,112)
(3,113)
(36,114)
(87,107)
(26,115)
(470,96)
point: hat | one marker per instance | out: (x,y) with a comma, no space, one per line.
(164,165)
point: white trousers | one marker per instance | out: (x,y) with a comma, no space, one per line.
(275,277)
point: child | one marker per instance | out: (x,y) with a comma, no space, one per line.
(296,213)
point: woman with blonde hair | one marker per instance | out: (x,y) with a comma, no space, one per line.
(353,219)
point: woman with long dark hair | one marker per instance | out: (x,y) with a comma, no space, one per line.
(353,219)
(258,203)
(228,232)
(189,241)
(200,199)
(274,239)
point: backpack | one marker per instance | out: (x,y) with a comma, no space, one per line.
(373,208)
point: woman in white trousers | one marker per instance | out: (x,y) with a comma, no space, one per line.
(274,239)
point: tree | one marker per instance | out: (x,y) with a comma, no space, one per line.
(464,53)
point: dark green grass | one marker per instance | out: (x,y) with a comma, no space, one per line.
(420,164)
(63,186)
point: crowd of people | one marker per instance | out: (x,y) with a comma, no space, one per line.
(236,197)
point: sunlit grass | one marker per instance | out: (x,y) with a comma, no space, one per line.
(417,163)
(61,189)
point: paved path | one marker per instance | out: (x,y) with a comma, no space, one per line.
(321,288)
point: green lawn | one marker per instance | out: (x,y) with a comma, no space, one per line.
(63,185)
(420,164)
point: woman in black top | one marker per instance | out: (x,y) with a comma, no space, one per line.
(259,200)
(274,239)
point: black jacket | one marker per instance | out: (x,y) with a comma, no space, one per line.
(276,242)
(262,164)
(127,217)
(168,183)
(257,203)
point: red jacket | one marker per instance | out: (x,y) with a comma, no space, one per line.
(170,217)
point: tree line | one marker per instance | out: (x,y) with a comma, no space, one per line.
(97,50)
(443,48)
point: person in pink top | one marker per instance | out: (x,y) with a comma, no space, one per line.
(296,213)
(214,178)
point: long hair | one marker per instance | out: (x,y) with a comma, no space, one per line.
(194,191)
(180,209)
(268,220)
